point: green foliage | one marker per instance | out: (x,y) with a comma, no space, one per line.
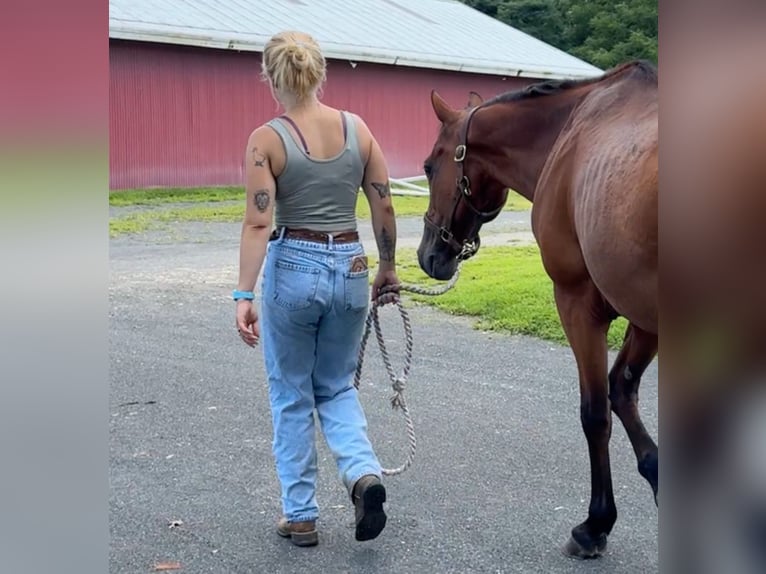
(602,32)
(538,18)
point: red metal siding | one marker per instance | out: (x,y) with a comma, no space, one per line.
(180,116)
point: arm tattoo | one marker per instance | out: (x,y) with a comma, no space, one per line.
(382,189)
(258,158)
(386,246)
(261,199)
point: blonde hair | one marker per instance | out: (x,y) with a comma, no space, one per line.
(294,64)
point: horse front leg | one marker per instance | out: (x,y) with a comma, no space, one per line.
(586,321)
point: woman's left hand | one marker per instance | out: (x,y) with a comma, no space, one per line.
(385,279)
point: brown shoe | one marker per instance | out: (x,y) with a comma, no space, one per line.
(368,496)
(299,533)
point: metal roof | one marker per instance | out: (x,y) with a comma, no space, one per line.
(439,34)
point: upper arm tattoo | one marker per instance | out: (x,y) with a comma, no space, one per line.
(382,188)
(261,199)
(259,159)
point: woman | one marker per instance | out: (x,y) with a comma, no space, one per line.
(305,168)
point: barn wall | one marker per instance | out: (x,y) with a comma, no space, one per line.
(180,116)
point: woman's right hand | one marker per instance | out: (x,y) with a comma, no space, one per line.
(247,322)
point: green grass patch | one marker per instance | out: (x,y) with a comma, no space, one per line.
(131,224)
(142,221)
(404,206)
(218,213)
(506,288)
(138,222)
(408,205)
(162,196)
(517,202)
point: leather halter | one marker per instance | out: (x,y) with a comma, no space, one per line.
(469,247)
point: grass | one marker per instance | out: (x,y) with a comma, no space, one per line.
(137,222)
(161,196)
(164,196)
(141,221)
(506,288)
(130,224)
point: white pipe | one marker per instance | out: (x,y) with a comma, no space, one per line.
(409,192)
(407,185)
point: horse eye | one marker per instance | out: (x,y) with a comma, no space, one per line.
(427,169)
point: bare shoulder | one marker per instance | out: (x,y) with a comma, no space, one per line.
(264,145)
(263,136)
(361,124)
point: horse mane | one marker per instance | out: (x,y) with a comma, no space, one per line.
(641,69)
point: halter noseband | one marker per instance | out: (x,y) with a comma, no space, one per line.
(469,247)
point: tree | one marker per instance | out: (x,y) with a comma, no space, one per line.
(488,7)
(602,32)
(606,33)
(539,18)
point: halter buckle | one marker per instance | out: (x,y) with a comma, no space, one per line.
(460,153)
(464,185)
(445,234)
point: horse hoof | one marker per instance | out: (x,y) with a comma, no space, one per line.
(574,549)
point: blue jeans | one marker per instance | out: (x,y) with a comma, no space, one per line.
(312,318)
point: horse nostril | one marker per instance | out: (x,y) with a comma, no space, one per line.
(426,262)
(430,263)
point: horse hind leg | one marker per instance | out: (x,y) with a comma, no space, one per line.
(638,350)
(585,323)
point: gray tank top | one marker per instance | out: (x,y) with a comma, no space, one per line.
(318,194)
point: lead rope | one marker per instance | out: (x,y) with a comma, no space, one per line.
(399,382)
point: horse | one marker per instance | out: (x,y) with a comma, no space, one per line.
(585,153)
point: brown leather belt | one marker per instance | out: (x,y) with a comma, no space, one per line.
(316,236)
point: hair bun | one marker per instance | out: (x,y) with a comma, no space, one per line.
(294,64)
(298,53)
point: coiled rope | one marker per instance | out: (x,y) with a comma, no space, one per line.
(399,382)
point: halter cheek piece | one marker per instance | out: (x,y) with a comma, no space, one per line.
(469,247)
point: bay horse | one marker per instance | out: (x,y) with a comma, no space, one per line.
(585,153)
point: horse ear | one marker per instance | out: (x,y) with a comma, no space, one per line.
(474,100)
(445,113)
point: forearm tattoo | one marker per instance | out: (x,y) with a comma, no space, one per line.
(386,246)
(382,188)
(261,200)
(259,160)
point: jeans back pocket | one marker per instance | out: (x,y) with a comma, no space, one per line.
(295,286)
(357,287)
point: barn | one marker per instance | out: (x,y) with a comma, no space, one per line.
(185,86)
